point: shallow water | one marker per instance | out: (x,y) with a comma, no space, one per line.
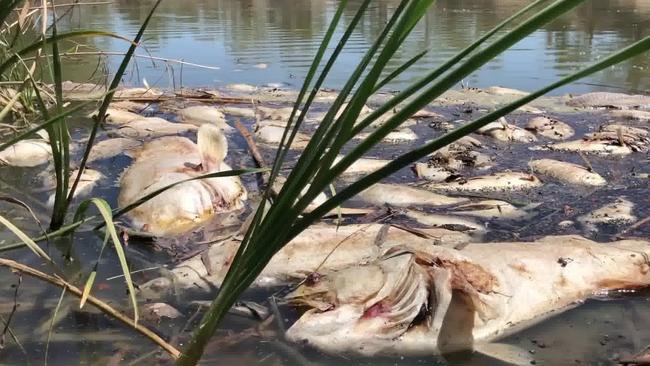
(593,333)
(241,37)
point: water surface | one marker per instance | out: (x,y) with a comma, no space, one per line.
(273,41)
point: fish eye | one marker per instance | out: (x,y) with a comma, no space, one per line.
(313,279)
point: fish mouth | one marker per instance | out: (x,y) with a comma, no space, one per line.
(387,298)
(408,297)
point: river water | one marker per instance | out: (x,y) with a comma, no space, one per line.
(273,41)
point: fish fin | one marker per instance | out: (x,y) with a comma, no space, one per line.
(212,144)
(507,353)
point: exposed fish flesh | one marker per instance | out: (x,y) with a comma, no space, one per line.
(440,300)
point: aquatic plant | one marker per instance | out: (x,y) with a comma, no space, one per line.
(275,225)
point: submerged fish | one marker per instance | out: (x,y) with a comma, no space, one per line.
(632,114)
(320,247)
(567,172)
(439,300)
(88,181)
(26,153)
(615,213)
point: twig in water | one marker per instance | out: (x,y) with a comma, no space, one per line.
(154,58)
(104,307)
(584,158)
(255,152)
(11,315)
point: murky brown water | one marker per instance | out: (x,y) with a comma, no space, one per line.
(284,35)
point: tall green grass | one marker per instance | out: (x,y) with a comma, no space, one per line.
(57,128)
(272,227)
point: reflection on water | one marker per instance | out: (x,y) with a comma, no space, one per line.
(284,35)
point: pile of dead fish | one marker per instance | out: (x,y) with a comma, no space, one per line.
(423,288)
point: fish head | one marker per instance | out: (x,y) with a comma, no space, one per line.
(156,289)
(361,309)
(403,303)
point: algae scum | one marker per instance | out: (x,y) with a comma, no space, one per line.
(528,201)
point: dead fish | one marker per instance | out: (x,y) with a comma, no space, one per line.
(112,147)
(433,172)
(319,248)
(595,147)
(491,209)
(458,157)
(450,222)
(244,88)
(609,100)
(632,114)
(503,131)
(278,183)
(200,114)
(393,137)
(550,128)
(619,142)
(365,110)
(530,109)
(276,114)
(498,90)
(238,111)
(81,91)
(135,93)
(154,312)
(363,165)
(618,212)
(118,116)
(567,172)
(423,113)
(127,105)
(27,153)
(171,159)
(270,133)
(404,196)
(502,181)
(625,130)
(87,182)
(153,127)
(441,300)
